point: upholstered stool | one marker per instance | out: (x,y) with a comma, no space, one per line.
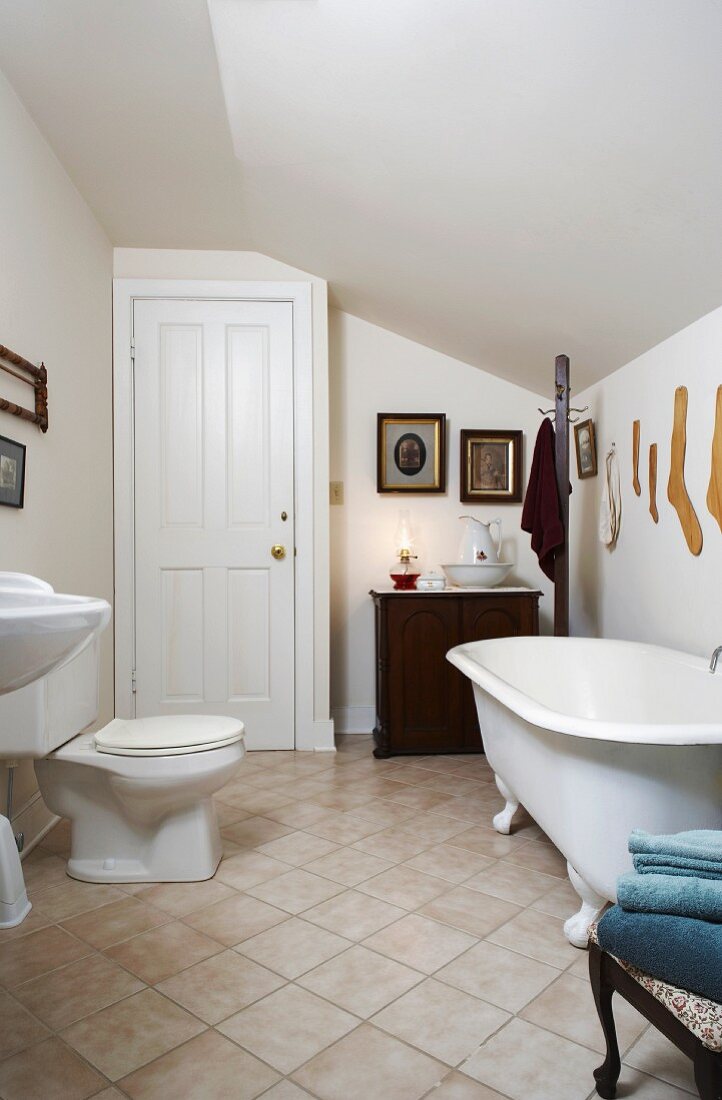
(693,1023)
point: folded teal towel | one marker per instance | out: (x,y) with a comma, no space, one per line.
(679,950)
(695,844)
(677,865)
(681,897)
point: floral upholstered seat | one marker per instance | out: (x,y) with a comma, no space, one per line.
(698,1014)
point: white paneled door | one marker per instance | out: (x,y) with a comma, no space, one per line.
(214,508)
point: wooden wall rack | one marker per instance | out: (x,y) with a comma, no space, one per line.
(37,377)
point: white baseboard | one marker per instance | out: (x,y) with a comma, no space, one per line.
(354,719)
(316,737)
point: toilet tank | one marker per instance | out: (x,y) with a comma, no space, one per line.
(44,715)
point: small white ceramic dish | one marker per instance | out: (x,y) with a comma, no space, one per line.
(431,582)
(485,574)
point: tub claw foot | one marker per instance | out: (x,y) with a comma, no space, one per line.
(576,929)
(502,821)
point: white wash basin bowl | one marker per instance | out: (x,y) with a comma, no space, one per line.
(484,574)
(40,628)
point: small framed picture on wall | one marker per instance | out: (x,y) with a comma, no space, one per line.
(491,466)
(586,447)
(12,473)
(411,453)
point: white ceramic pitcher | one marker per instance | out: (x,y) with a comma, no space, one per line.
(477,544)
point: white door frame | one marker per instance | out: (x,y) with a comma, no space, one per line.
(309,733)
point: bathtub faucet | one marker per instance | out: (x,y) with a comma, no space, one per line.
(715,658)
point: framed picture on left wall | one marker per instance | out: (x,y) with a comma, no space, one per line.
(411,453)
(12,473)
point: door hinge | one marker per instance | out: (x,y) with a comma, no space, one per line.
(133,682)
(132,349)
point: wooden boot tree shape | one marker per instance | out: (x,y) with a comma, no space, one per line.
(635,458)
(676,489)
(714,493)
(653,482)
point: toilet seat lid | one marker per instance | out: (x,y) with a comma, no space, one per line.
(168,735)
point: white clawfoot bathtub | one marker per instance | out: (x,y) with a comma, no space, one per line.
(596,738)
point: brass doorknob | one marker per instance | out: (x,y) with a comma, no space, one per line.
(278,552)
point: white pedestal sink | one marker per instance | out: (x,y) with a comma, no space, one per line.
(48,691)
(40,628)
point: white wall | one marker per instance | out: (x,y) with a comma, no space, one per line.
(55,305)
(650,587)
(148,263)
(372,371)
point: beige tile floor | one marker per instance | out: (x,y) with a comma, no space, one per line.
(367,936)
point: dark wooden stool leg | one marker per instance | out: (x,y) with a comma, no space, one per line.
(708,1074)
(608,1073)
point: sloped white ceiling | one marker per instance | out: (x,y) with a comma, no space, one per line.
(499,179)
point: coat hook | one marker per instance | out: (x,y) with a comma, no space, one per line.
(574,419)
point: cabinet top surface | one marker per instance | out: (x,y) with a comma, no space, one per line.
(441,592)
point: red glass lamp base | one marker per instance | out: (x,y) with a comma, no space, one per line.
(404,581)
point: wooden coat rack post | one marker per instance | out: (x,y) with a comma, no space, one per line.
(37,377)
(561,456)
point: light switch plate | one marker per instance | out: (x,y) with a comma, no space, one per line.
(335,494)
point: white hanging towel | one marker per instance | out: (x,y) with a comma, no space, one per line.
(610,511)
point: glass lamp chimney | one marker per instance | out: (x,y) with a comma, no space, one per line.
(404,573)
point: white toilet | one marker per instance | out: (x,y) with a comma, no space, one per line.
(139,796)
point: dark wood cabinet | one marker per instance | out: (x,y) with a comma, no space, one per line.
(423,703)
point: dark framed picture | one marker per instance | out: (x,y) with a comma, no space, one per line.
(411,453)
(12,472)
(491,466)
(586,446)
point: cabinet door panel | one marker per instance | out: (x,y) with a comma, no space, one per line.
(484,618)
(424,689)
(487,618)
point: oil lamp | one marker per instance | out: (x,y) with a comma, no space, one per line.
(404,572)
